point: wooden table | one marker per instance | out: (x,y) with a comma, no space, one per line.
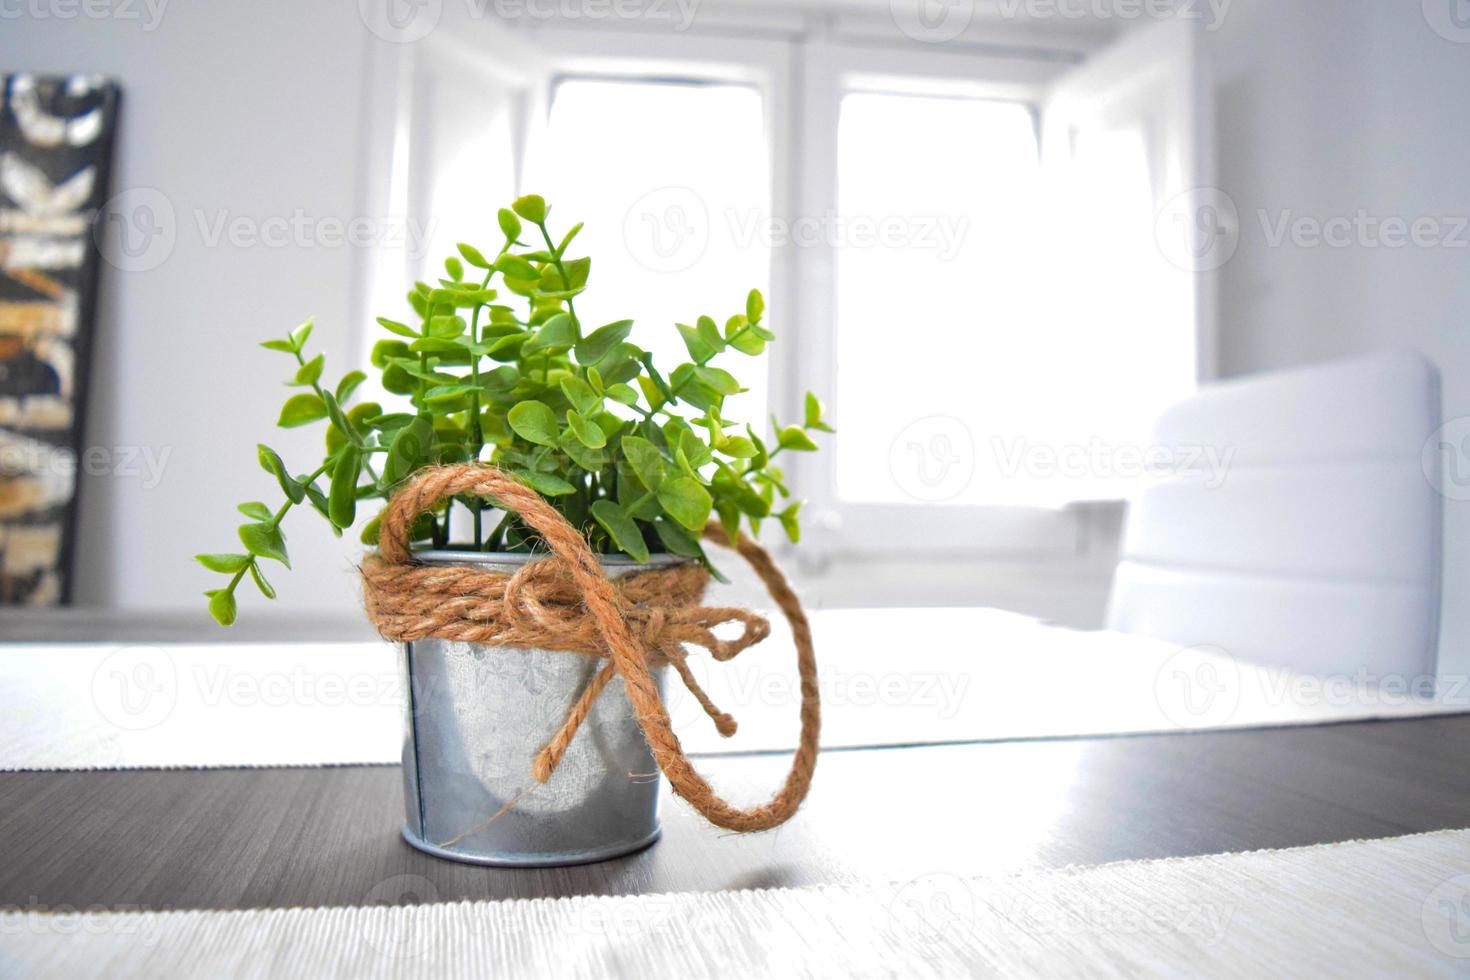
(243,838)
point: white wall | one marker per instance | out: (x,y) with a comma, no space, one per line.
(1325,109)
(253,110)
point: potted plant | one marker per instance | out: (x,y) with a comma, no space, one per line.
(540,504)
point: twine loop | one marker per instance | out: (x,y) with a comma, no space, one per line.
(566,601)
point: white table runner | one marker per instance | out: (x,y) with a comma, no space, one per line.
(1394,907)
(887,677)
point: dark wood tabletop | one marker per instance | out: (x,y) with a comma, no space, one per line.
(249,838)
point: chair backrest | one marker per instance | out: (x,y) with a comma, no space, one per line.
(1313,541)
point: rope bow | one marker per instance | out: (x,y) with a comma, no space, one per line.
(566,602)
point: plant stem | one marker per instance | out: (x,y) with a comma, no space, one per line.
(477,435)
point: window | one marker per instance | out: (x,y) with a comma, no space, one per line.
(960,246)
(672,182)
(937,333)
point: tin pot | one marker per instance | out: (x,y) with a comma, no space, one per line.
(476,718)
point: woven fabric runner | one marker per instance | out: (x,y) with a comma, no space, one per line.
(1392,907)
(903,676)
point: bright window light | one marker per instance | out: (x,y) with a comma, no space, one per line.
(673,182)
(993,323)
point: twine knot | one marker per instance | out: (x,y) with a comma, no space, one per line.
(565,601)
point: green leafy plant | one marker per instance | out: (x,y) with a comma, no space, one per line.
(497,366)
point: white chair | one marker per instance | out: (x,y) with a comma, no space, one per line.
(1319,550)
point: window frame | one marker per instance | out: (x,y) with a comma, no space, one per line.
(830,70)
(801,65)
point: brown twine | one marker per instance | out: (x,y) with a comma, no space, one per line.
(567,602)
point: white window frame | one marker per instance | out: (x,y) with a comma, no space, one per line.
(831,70)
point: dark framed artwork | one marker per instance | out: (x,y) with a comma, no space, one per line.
(56,138)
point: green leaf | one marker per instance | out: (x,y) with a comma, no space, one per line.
(342,501)
(310,372)
(257,510)
(813,417)
(472,256)
(532,207)
(621,528)
(222,606)
(510,225)
(261,583)
(677,539)
(393,326)
(559,331)
(533,422)
(226,564)
(357,417)
(710,334)
(792,437)
(301,409)
(384,351)
(740,335)
(412,444)
(588,433)
(645,459)
(755,306)
(301,333)
(546,484)
(391,422)
(454,267)
(622,394)
(652,392)
(789,522)
(738,447)
(600,342)
(447,327)
(515,267)
(284,346)
(266,541)
(590,460)
(338,417)
(698,349)
(717,379)
(271,463)
(567,238)
(685,501)
(370,530)
(577,271)
(580,394)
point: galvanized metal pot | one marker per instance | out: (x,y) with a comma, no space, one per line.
(476,718)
